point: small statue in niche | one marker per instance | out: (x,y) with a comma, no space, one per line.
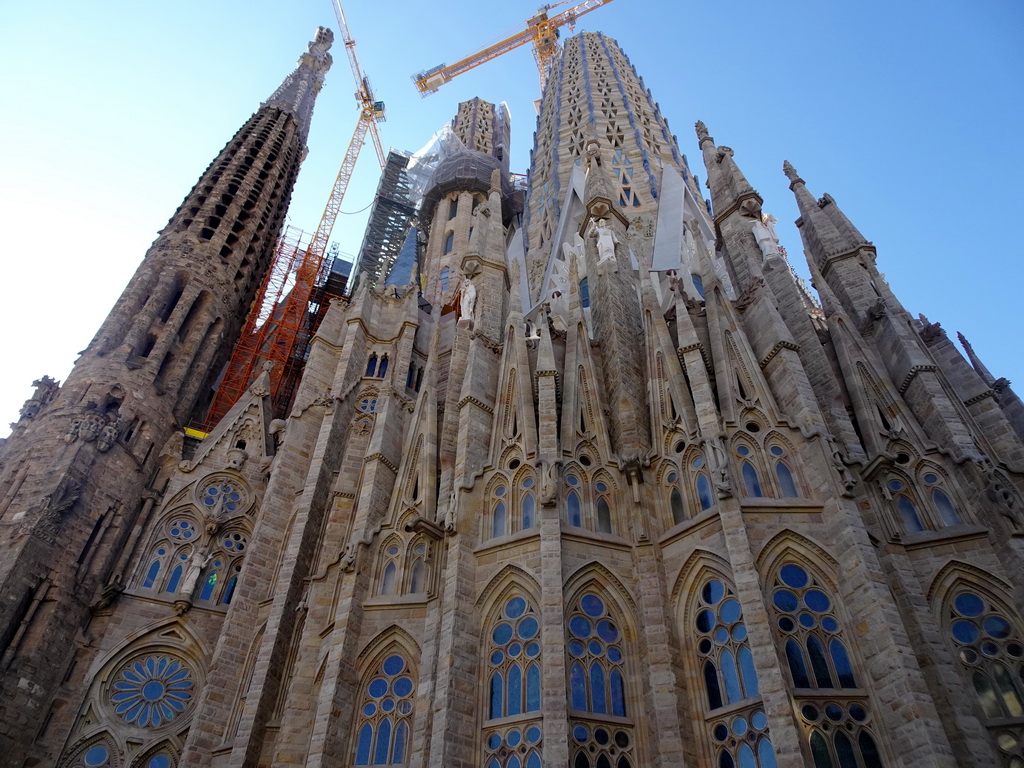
(606,241)
(766,239)
(467,303)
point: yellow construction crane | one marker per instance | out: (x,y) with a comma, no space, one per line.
(541,30)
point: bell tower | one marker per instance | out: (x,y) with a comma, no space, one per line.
(75,473)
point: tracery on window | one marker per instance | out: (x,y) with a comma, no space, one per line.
(729,678)
(601,717)
(989,644)
(151,690)
(513,507)
(385,713)
(404,566)
(512,734)
(838,730)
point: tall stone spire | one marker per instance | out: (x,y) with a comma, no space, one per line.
(594,93)
(297,94)
(76,470)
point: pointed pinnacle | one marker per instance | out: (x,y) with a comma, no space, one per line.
(790,171)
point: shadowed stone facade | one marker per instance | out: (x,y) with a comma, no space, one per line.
(598,491)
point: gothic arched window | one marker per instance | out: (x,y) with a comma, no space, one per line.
(905,507)
(513,688)
(449,243)
(599,709)
(784,475)
(389,571)
(499,512)
(817,657)
(701,483)
(946,511)
(371,365)
(751,480)
(168,559)
(385,713)
(527,504)
(573,512)
(989,644)
(727,670)
(603,507)
(382,367)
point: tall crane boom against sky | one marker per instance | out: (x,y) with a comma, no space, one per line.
(541,30)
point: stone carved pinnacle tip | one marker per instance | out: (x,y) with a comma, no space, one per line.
(702,130)
(790,171)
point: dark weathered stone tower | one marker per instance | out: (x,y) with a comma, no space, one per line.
(76,473)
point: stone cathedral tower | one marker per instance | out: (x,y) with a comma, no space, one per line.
(602,487)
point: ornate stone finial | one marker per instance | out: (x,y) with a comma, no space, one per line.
(790,171)
(702,130)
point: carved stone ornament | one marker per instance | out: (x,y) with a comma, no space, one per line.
(44,517)
(549,483)
(92,426)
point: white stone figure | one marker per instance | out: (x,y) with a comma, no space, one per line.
(770,222)
(606,242)
(689,247)
(468,302)
(197,562)
(766,241)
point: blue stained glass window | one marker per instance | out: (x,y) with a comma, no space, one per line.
(533,688)
(822,675)
(162,760)
(151,574)
(449,242)
(746,755)
(416,583)
(533,761)
(817,600)
(498,528)
(401,736)
(528,510)
(229,590)
(211,582)
(969,604)
(751,482)
(841,661)
(786,482)
(371,365)
(945,507)
(704,491)
(618,691)
(172,583)
(497,697)
(712,686)
(584,293)
(387,586)
(797,667)
(908,514)
(678,510)
(515,691)
(363,745)
(747,672)
(765,753)
(698,284)
(380,753)
(793,576)
(572,503)
(97,755)
(578,687)
(730,676)
(598,700)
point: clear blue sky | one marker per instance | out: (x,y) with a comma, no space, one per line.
(909,114)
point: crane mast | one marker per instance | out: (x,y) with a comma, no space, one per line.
(541,30)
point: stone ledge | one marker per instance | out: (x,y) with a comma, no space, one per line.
(950,535)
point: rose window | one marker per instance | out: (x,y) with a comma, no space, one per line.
(152,691)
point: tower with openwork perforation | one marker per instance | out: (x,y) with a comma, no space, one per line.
(599,489)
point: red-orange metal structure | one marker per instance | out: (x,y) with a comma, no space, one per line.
(541,30)
(279,321)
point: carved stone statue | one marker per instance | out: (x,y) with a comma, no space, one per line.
(606,241)
(199,560)
(549,484)
(766,240)
(467,304)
